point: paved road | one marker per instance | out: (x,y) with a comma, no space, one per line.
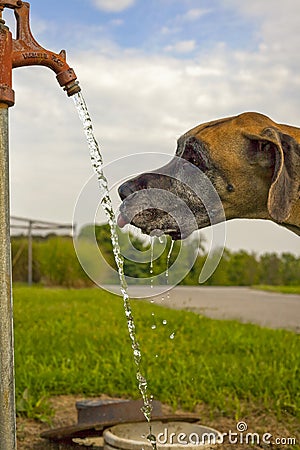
(247,305)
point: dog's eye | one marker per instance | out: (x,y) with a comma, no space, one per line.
(193,161)
(193,153)
(195,158)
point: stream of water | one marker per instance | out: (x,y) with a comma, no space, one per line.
(97,163)
(168,260)
(151,260)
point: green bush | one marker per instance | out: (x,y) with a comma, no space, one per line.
(55,262)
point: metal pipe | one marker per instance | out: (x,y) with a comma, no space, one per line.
(30,253)
(43,222)
(7,383)
(23,51)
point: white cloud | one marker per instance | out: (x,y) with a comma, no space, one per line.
(143,103)
(194,14)
(138,103)
(113,5)
(175,25)
(117,22)
(182,47)
(170,30)
(277,26)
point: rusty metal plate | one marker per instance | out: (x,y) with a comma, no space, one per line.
(91,411)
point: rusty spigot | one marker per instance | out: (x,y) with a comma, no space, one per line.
(25,51)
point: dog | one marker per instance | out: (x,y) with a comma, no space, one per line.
(251,162)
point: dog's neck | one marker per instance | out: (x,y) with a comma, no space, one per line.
(293,222)
(292,228)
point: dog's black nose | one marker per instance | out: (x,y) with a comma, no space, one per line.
(126,189)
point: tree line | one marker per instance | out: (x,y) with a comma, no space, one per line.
(55,261)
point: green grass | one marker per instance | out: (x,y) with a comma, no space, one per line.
(282,289)
(76,342)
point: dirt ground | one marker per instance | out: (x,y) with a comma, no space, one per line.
(28,431)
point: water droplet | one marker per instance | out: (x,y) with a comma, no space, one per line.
(152,439)
(164,322)
(172,335)
(153,327)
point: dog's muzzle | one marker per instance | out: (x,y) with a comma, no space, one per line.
(176,199)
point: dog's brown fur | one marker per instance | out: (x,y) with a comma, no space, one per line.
(269,188)
(253,163)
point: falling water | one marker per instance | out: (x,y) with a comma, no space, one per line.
(97,163)
(168,265)
(168,260)
(151,260)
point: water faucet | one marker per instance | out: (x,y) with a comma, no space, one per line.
(25,51)
(19,52)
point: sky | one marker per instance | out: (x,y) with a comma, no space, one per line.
(149,70)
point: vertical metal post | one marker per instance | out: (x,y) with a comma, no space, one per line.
(23,51)
(7,383)
(29,253)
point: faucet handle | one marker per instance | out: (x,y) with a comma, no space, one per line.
(12,4)
(26,51)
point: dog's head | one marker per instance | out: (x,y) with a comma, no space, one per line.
(249,160)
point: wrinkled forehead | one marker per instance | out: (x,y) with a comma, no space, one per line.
(228,132)
(223,142)
(210,136)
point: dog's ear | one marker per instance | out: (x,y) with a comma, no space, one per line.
(281,153)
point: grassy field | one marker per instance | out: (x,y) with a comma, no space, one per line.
(76,342)
(283,289)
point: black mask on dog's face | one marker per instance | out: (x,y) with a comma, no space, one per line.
(176,199)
